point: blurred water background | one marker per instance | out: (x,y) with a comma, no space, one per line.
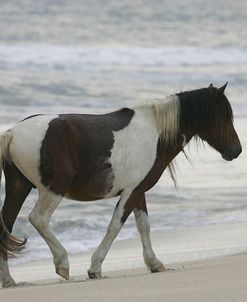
(96,56)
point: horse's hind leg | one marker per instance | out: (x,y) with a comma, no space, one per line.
(17,187)
(40,218)
(142,222)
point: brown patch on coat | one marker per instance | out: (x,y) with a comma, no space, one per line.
(75,154)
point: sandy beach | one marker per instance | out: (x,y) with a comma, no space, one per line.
(222,279)
(212,279)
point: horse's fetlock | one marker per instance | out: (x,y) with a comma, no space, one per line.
(61,260)
(154,265)
(96,263)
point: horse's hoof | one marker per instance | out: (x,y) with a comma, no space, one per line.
(93,275)
(159,269)
(63,272)
(8,282)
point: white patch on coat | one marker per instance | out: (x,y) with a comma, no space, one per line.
(112,232)
(134,151)
(24,148)
(143,226)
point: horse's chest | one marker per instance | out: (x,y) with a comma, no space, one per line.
(132,157)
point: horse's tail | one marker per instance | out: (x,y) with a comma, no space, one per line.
(5,138)
(9,245)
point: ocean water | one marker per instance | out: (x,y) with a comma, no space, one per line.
(96,56)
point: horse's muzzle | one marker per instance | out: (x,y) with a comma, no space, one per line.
(232,152)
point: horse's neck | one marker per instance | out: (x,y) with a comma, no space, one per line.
(167,153)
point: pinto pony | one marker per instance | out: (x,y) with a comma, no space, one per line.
(89,157)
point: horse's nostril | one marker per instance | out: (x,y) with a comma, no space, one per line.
(236,151)
(227,157)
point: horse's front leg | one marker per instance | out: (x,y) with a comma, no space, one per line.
(122,210)
(143,226)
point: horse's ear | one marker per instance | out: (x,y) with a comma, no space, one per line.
(210,86)
(222,89)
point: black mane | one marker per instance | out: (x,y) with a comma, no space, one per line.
(203,110)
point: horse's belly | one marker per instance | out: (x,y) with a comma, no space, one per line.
(94,188)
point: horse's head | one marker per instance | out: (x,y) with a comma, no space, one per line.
(220,134)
